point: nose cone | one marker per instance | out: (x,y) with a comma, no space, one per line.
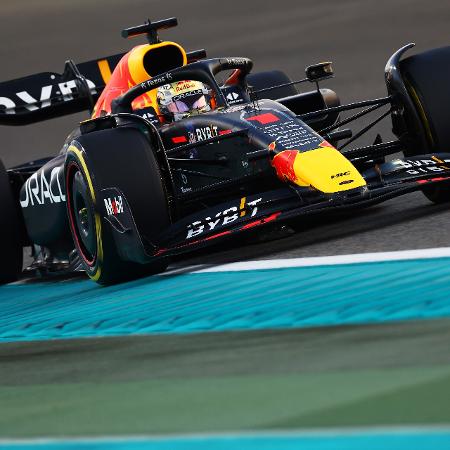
(324,169)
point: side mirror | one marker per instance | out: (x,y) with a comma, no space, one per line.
(319,71)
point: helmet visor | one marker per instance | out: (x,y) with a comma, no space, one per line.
(191,103)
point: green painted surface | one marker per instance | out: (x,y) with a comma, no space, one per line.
(390,374)
(394,396)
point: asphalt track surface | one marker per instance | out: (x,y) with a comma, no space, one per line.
(358,36)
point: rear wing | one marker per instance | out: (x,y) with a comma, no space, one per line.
(48,95)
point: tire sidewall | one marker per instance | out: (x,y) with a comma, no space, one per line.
(12,251)
(76,161)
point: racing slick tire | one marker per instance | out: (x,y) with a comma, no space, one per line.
(426,77)
(121,158)
(262,80)
(11,247)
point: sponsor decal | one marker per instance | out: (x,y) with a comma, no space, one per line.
(147,113)
(234,108)
(223,218)
(157,80)
(183,85)
(38,190)
(191,137)
(236,61)
(148,116)
(114,205)
(339,175)
(64,90)
(287,134)
(421,166)
(232,96)
(204,133)
(187,94)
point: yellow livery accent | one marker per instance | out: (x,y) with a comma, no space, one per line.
(422,113)
(327,170)
(435,158)
(136,58)
(242,206)
(98,222)
(105,70)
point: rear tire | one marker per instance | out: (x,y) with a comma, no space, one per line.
(262,80)
(119,158)
(427,78)
(12,252)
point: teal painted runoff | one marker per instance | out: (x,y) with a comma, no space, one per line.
(438,440)
(222,301)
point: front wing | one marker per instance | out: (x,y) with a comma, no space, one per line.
(385,181)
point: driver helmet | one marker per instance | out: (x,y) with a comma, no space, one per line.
(184,98)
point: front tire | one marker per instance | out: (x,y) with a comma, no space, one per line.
(426,78)
(126,158)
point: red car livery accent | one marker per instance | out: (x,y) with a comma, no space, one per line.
(127,73)
(179,139)
(265,118)
(283,163)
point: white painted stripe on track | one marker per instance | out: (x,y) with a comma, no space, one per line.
(285,263)
(357,258)
(306,432)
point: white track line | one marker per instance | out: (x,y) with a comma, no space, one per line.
(356,258)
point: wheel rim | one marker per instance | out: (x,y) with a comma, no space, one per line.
(81,214)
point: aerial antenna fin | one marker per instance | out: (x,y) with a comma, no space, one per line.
(150,29)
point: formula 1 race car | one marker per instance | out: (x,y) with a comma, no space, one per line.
(129,188)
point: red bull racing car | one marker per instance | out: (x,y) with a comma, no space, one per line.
(152,173)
